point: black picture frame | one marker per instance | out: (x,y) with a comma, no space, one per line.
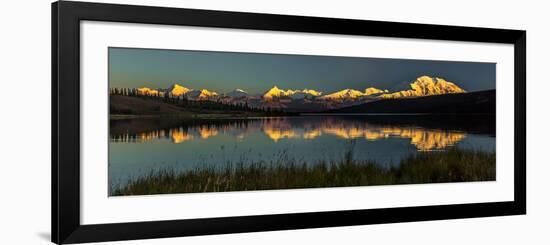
(66,17)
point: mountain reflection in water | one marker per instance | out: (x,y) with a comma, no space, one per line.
(277,129)
(139,146)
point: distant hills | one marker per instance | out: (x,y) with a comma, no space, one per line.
(309,100)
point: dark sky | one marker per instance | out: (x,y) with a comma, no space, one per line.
(256,73)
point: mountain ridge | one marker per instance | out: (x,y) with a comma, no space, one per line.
(310,99)
(480,102)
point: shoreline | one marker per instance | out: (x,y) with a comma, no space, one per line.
(454,165)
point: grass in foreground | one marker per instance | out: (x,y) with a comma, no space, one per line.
(455,165)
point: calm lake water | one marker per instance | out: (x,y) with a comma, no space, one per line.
(139,146)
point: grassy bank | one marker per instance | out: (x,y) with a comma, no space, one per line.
(455,165)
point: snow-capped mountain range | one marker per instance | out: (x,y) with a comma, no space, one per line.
(281,98)
(352,94)
(275,93)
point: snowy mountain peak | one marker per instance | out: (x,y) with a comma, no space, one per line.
(202,94)
(237,93)
(147,91)
(424,86)
(177,90)
(343,95)
(275,92)
(373,91)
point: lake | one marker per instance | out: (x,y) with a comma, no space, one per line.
(142,145)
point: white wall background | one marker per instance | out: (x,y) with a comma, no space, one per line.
(25,124)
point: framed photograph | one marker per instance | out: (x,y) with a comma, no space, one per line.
(176,122)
